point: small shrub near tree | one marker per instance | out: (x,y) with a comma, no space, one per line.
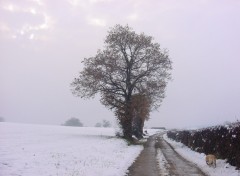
(105,124)
(73,122)
(98,125)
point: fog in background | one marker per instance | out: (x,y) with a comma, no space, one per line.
(42,44)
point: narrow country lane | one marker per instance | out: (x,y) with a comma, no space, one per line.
(146,163)
(174,165)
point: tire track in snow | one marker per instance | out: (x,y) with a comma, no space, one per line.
(176,164)
(159,159)
(146,163)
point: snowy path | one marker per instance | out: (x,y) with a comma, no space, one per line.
(159,159)
(176,164)
(146,164)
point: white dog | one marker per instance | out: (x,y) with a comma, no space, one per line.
(211,160)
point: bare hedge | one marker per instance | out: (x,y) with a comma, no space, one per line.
(223,141)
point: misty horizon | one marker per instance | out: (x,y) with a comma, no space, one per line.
(43,44)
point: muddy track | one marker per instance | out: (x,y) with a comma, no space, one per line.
(147,163)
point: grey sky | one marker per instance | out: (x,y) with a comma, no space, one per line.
(42,44)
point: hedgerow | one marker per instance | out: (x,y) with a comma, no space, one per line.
(223,141)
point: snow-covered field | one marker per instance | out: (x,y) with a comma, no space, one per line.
(222,169)
(38,150)
(41,150)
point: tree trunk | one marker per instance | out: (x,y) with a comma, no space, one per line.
(126,122)
(142,125)
(137,127)
(127,129)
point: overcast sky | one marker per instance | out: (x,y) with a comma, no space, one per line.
(42,44)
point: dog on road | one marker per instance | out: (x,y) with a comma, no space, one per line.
(211,160)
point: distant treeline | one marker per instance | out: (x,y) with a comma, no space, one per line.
(75,122)
(223,141)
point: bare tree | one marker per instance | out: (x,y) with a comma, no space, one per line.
(130,63)
(73,122)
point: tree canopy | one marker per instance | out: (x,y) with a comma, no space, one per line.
(130,63)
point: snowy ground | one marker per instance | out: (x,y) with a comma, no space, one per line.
(222,169)
(27,150)
(163,164)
